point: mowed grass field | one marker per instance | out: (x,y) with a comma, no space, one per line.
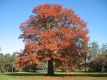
(58,76)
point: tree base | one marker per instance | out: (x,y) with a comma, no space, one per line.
(50,74)
(50,68)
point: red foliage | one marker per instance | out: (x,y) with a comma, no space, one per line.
(54,33)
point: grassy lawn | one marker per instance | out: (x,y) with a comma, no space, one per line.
(58,76)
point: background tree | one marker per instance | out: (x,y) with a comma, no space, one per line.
(1,62)
(7,62)
(98,64)
(43,67)
(12,61)
(53,34)
(104,49)
(94,49)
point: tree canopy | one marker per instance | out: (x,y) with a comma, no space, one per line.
(53,33)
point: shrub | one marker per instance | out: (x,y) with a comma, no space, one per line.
(98,64)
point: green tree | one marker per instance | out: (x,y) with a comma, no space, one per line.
(7,62)
(12,61)
(94,49)
(2,62)
(104,49)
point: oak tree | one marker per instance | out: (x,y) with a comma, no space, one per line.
(53,33)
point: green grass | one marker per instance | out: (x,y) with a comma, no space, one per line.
(58,76)
(81,72)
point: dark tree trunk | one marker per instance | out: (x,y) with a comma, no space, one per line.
(50,67)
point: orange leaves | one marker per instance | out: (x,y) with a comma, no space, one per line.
(53,32)
(81,31)
(47,35)
(44,11)
(30,47)
(27,59)
(56,56)
(33,59)
(47,10)
(51,47)
(47,59)
(54,13)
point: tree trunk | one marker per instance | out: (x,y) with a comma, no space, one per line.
(50,67)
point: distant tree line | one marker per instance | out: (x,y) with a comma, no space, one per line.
(7,62)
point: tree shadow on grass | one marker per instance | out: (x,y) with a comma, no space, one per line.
(55,75)
(24,74)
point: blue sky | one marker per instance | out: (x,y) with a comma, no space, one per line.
(14,12)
